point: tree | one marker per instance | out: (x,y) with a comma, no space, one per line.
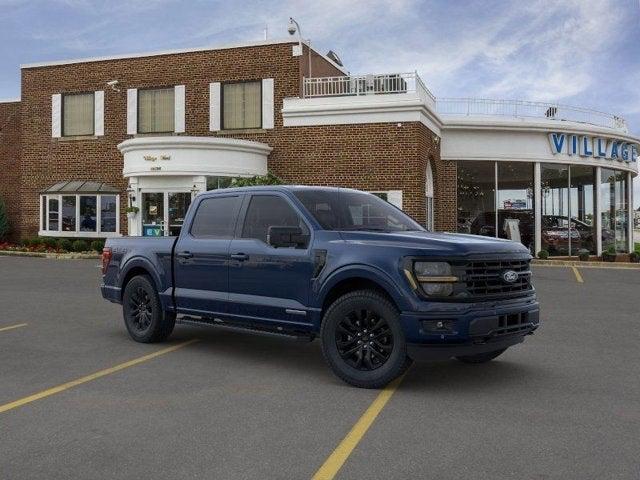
(268,179)
(4,221)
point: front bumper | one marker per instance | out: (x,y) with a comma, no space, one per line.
(444,330)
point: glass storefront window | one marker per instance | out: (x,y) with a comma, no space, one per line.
(613,207)
(178,205)
(554,179)
(77,215)
(476,198)
(582,208)
(53,223)
(516,219)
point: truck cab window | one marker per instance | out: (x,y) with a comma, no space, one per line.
(216,217)
(269,211)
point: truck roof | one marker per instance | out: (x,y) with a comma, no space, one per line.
(277,188)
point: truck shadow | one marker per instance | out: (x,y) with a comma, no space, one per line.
(306,359)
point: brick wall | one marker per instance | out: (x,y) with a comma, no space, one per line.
(9,160)
(369,156)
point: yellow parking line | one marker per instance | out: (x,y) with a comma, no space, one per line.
(88,378)
(577,274)
(4,329)
(334,463)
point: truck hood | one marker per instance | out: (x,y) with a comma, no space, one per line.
(436,244)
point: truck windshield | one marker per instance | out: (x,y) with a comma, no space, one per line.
(355,211)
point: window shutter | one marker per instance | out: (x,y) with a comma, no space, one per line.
(132,111)
(56,115)
(215,112)
(267,103)
(179,99)
(98,112)
(394,197)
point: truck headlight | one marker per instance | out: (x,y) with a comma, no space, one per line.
(435,278)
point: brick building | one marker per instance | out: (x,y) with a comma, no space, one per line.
(90,137)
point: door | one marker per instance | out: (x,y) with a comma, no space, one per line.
(163,213)
(267,283)
(202,257)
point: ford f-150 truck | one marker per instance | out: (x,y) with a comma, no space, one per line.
(346,266)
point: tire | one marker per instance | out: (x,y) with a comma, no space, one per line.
(144,317)
(481,357)
(350,318)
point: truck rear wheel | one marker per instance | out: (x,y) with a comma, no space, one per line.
(363,341)
(481,357)
(144,317)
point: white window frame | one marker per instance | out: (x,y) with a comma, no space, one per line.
(44,220)
(429,199)
(394,197)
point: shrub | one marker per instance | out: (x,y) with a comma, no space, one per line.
(268,179)
(49,242)
(543,254)
(609,255)
(65,244)
(26,242)
(35,241)
(4,221)
(97,245)
(634,257)
(80,246)
(583,254)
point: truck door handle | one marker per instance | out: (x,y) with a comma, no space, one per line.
(241,257)
(185,255)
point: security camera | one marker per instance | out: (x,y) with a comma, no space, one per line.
(292,27)
(112,84)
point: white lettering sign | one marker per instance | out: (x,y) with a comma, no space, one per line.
(597,147)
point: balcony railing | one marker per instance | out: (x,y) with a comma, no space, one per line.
(357,85)
(526,109)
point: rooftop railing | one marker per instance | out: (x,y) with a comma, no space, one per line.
(356,85)
(400,83)
(526,109)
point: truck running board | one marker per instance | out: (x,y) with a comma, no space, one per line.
(249,328)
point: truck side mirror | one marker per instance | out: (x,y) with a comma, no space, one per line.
(284,237)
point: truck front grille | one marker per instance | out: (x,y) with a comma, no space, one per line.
(484,278)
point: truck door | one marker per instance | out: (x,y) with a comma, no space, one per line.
(266,283)
(201,262)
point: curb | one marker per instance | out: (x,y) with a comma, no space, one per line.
(573,263)
(55,256)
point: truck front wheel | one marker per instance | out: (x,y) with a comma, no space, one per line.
(363,341)
(144,317)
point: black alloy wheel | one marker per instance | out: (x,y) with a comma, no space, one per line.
(364,340)
(140,309)
(144,317)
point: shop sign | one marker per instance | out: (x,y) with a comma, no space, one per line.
(596,147)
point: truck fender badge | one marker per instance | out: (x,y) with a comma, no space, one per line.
(509,276)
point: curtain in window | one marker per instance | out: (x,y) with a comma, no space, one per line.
(156,110)
(78,114)
(242,105)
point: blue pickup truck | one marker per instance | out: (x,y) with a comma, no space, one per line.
(346,266)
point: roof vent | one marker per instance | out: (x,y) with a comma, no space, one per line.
(334,57)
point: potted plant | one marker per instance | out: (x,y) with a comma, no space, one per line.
(610,254)
(132,212)
(634,257)
(543,254)
(583,254)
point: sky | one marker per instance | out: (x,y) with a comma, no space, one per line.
(577,52)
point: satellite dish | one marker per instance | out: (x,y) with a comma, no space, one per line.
(334,56)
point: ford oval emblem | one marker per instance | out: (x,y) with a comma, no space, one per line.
(509,276)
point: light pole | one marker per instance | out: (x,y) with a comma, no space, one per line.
(292,29)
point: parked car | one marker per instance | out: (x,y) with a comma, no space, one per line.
(343,265)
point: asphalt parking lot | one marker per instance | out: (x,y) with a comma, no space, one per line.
(565,404)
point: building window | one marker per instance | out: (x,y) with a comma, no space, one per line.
(516,203)
(214,183)
(78,215)
(156,110)
(78,114)
(614,210)
(241,105)
(428,190)
(477,198)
